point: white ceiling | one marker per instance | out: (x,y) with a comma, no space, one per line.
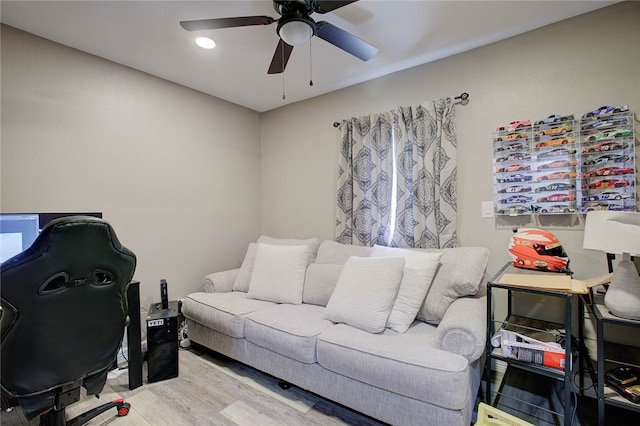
(146,35)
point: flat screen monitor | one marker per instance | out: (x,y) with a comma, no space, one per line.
(19,230)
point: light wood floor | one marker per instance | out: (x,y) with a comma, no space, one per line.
(210,390)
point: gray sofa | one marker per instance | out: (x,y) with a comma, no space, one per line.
(428,374)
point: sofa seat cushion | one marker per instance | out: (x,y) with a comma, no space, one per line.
(407,364)
(223,312)
(289,330)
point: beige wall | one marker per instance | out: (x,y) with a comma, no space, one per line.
(187,180)
(570,67)
(176,172)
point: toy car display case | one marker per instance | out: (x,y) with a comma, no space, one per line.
(512,169)
(554,165)
(535,167)
(607,166)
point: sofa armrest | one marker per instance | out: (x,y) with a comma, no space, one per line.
(463,330)
(220,282)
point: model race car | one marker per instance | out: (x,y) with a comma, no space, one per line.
(557,152)
(607,183)
(555,118)
(619,121)
(514,210)
(557,164)
(555,142)
(518,177)
(511,137)
(608,171)
(558,175)
(514,168)
(514,125)
(565,128)
(512,147)
(610,134)
(607,195)
(607,158)
(605,146)
(515,188)
(557,197)
(605,110)
(514,157)
(599,205)
(516,199)
(558,186)
(557,208)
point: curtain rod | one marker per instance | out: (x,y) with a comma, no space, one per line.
(463,98)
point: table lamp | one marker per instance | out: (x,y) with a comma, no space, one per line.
(619,233)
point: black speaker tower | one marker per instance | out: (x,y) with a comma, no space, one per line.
(162,341)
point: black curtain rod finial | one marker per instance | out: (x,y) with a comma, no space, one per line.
(336,124)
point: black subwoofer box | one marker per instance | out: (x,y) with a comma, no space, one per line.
(162,342)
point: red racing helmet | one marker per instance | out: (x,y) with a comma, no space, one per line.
(533,248)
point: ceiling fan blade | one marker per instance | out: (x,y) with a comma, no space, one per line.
(280,58)
(345,41)
(328,6)
(214,24)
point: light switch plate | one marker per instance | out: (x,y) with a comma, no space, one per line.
(487,209)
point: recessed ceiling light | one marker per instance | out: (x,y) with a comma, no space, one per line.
(205,42)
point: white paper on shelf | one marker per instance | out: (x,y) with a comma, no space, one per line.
(510,341)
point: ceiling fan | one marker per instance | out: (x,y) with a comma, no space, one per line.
(294,27)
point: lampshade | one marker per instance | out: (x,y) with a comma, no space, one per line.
(617,232)
(612,232)
(295,32)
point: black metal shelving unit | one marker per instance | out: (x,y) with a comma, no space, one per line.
(571,343)
(626,356)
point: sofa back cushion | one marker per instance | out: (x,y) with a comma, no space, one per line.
(461,273)
(337,253)
(312,243)
(319,283)
(243,278)
(322,276)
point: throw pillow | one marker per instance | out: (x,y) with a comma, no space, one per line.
(278,273)
(244,275)
(460,274)
(419,269)
(365,292)
(241,282)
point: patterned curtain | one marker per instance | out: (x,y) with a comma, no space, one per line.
(406,155)
(365,180)
(426,202)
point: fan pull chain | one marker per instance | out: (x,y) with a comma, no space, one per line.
(282,62)
(310,66)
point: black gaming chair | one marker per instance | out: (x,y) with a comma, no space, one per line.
(63,317)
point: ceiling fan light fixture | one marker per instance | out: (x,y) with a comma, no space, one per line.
(205,42)
(295,32)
